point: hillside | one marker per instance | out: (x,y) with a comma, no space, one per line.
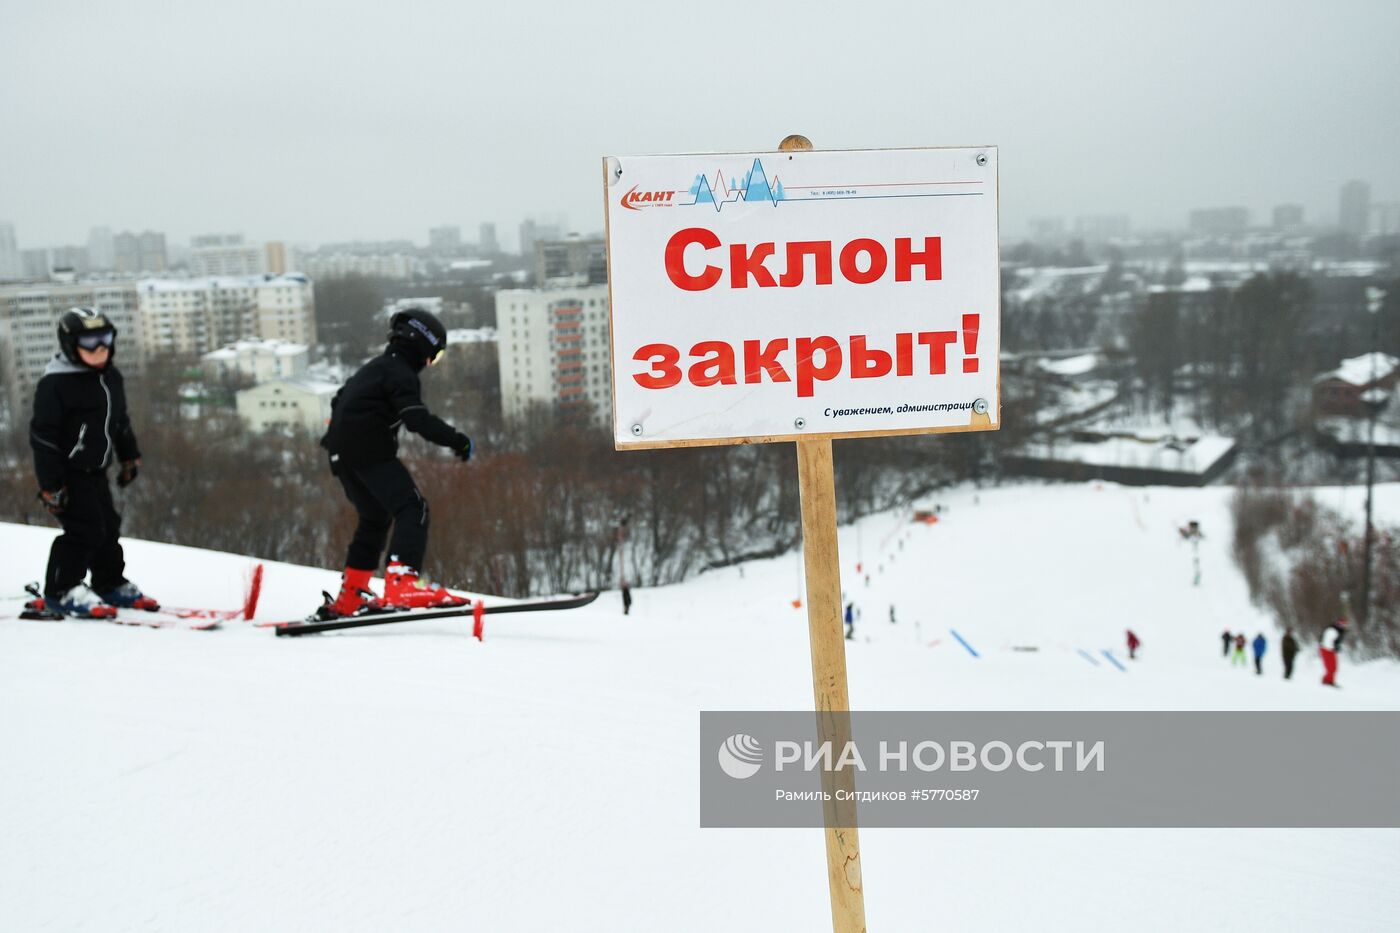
(412,778)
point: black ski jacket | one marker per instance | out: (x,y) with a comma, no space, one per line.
(80,421)
(367,411)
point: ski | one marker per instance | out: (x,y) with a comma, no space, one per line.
(143,618)
(390,617)
(149,618)
(154,615)
(245,611)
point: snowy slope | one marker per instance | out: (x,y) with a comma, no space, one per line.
(411,778)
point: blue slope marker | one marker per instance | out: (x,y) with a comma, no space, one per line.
(962,641)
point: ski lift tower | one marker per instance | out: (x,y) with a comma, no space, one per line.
(1375,399)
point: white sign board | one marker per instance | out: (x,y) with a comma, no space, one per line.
(774,296)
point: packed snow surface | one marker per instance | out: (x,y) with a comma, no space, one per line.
(412,778)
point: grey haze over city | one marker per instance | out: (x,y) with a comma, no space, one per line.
(335,121)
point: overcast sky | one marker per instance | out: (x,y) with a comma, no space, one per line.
(338,120)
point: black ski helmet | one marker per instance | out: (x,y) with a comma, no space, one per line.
(420,330)
(81,322)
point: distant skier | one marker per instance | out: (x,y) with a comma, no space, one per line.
(1331,646)
(1260,644)
(892,622)
(1226,639)
(626,599)
(79,429)
(1238,656)
(1133,643)
(850,621)
(1192,532)
(1290,651)
(363,444)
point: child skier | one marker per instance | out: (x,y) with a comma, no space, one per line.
(1238,656)
(80,428)
(363,443)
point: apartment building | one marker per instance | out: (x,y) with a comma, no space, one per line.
(302,402)
(260,360)
(553,345)
(199,315)
(226,254)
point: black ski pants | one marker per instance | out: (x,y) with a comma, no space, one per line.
(1288,667)
(384,494)
(91,527)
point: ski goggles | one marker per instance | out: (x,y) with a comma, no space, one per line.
(436,357)
(93,341)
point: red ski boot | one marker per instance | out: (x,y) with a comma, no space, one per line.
(354,598)
(404,589)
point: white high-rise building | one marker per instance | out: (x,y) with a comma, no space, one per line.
(200,315)
(1355,214)
(553,345)
(226,254)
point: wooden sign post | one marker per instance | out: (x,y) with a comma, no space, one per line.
(731,259)
(818,489)
(816,480)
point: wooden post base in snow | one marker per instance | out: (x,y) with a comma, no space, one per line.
(818,489)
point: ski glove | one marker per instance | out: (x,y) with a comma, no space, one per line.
(464,452)
(56,501)
(128,473)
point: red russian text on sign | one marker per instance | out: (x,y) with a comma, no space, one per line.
(814,359)
(862,261)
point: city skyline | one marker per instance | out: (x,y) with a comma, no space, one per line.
(291,124)
(1095,227)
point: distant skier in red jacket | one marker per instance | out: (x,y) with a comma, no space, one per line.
(1133,643)
(1331,644)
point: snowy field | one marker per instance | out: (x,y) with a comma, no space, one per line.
(413,779)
